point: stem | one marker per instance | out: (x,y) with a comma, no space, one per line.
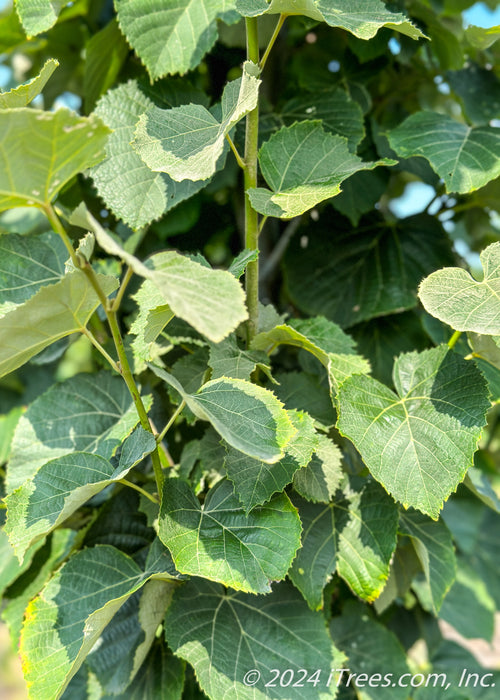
(453,340)
(126,372)
(250,180)
(99,347)
(239,159)
(170,422)
(56,224)
(131,485)
(123,367)
(277,30)
(118,299)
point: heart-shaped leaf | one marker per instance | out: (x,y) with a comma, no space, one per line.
(465,304)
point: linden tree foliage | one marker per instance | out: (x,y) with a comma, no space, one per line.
(249,346)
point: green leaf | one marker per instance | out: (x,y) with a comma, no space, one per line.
(248,417)
(434,547)
(465,157)
(62,485)
(355,535)
(62,146)
(38,15)
(152,318)
(8,424)
(212,301)
(360,193)
(126,641)
(303,164)
(323,339)
(306,392)
(65,621)
(337,112)
(240,262)
(223,635)
(168,36)
(160,676)
(419,442)
(105,54)
(367,523)
(129,188)
(479,90)
(363,19)
(482,37)
(256,481)
(24,94)
(376,270)
(227,359)
(469,593)
(320,479)
(11,569)
(28,585)
(52,313)
(479,484)
(28,263)
(315,562)
(371,649)
(220,542)
(462,302)
(87,413)
(186,142)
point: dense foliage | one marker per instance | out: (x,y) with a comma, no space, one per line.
(249,401)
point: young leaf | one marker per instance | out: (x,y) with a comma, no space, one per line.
(129,188)
(466,158)
(462,302)
(434,547)
(24,94)
(256,481)
(105,54)
(303,164)
(65,145)
(168,36)
(152,318)
(225,634)
(38,15)
(419,442)
(65,621)
(52,313)
(62,485)
(220,542)
(86,413)
(248,417)
(186,142)
(363,19)
(212,301)
(28,263)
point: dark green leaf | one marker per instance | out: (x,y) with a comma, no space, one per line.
(225,634)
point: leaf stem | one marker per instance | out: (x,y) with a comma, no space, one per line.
(180,407)
(250,181)
(239,159)
(99,347)
(131,485)
(56,224)
(118,299)
(277,30)
(453,340)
